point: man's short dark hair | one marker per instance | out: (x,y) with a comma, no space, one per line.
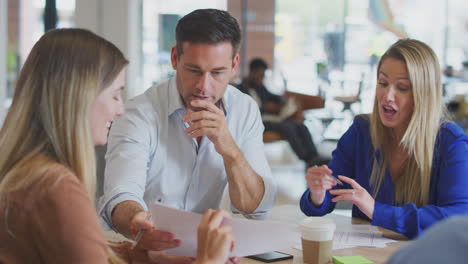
(258,63)
(210,26)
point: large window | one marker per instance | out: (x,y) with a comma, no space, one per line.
(322,47)
(25,27)
(456,42)
(337,41)
(296,51)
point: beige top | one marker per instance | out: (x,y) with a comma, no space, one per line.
(53,221)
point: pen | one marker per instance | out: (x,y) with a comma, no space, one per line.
(336,179)
(140,232)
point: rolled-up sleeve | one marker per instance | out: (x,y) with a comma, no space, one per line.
(128,155)
(253,149)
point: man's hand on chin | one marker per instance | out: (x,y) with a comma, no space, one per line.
(211,123)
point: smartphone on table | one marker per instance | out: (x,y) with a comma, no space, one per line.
(271,256)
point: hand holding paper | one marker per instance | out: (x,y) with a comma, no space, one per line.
(149,237)
(251,236)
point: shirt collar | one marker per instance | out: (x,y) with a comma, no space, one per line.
(175,101)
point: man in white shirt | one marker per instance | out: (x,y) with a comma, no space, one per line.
(182,141)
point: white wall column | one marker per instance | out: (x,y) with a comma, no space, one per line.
(3,56)
(118,21)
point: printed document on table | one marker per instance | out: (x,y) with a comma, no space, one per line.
(251,236)
(349,236)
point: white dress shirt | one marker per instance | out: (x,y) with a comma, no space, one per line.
(151,159)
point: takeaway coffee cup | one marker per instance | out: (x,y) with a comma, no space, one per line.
(317,239)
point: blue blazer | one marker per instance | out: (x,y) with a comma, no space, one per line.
(448,195)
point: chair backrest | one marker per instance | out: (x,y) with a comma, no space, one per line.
(361,86)
(307,101)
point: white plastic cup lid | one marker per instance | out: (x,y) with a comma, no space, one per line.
(317,228)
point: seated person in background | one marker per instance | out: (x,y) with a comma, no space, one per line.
(405,165)
(181,142)
(67,93)
(445,242)
(293,130)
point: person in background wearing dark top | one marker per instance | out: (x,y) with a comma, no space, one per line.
(405,165)
(295,132)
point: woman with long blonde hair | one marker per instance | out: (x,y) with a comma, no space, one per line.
(405,165)
(67,95)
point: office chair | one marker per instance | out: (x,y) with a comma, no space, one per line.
(349,100)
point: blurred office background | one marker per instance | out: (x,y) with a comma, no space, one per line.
(326,48)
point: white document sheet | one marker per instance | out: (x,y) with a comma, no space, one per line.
(252,236)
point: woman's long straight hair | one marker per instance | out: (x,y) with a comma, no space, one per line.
(412,186)
(49,120)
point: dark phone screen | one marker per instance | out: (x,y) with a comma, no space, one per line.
(271,256)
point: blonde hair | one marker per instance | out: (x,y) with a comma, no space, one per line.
(48,121)
(412,186)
